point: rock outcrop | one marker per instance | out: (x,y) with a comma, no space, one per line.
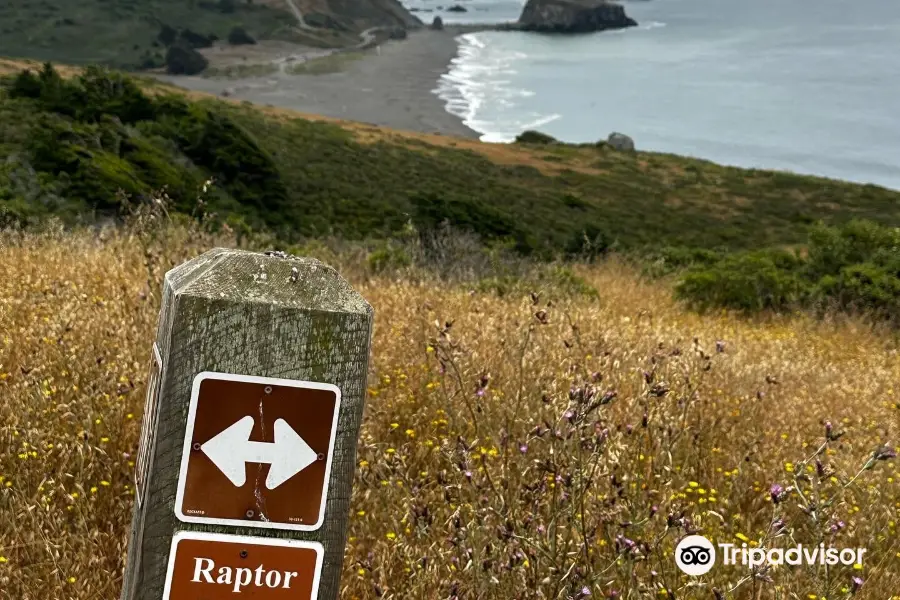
(620,141)
(573,16)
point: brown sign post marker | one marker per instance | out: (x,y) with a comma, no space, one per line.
(283,430)
(215,566)
(249,447)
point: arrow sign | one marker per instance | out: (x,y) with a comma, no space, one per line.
(222,435)
(231,449)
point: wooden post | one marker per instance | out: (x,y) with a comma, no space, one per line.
(260,385)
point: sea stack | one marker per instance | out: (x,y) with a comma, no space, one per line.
(573,16)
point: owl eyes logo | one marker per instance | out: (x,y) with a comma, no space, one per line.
(695,555)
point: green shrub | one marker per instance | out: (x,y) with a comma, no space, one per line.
(671,259)
(854,267)
(216,143)
(535,137)
(388,257)
(196,40)
(151,60)
(589,243)
(466,214)
(95,93)
(27,195)
(99,135)
(562,279)
(867,288)
(238,36)
(49,89)
(831,249)
(181,59)
(752,281)
(167,35)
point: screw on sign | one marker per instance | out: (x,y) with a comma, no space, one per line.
(279,431)
(212,566)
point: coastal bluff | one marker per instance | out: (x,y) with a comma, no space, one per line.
(573,16)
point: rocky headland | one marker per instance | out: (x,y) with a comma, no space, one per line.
(573,16)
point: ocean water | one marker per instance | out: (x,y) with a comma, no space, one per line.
(811,86)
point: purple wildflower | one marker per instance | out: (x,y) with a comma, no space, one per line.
(624,544)
(776,492)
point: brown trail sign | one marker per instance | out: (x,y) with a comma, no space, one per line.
(249,448)
(238,424)
(215,566)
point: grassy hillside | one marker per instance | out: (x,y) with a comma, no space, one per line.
(94,144)
(124,33)
(606,428)
(305,178)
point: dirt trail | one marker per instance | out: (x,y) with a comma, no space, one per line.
(367,39)
(300,21)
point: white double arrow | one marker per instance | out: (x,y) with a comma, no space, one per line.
(231,449)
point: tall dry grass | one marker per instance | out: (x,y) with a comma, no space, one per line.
(545,446)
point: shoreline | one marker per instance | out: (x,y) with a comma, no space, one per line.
(391,85)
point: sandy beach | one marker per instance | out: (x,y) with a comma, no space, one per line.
(391,85)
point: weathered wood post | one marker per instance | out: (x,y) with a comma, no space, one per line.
(248,445)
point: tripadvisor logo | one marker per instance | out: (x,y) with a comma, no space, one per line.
(696,555)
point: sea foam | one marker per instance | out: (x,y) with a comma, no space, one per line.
(479,90)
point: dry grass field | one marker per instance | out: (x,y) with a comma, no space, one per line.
(513,447)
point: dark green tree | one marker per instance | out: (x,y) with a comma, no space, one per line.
(181,59)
